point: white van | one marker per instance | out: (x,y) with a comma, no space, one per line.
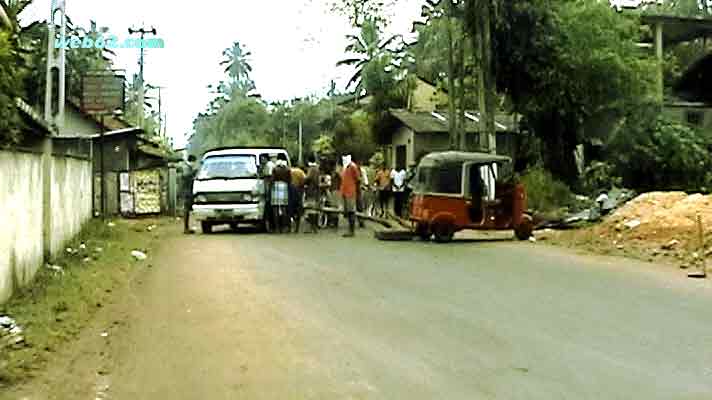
(229,187)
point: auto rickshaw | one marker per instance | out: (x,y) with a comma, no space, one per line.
(453,191)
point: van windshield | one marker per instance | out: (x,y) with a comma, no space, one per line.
(228,167)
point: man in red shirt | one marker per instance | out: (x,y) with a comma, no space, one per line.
(350,182)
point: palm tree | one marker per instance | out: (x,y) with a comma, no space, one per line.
(369,49)
(238,68)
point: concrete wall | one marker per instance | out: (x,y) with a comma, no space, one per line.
(402,137)
(681,114)
(76,123)
(22,246)
(71,204)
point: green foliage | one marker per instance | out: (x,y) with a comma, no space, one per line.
(558,72)
(655,153)
(323,146)
(377,160)
(10,88)
(545,193)
(599,176)
(354,135)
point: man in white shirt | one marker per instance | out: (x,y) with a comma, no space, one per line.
(398,179)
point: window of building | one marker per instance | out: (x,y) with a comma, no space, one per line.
(695,118)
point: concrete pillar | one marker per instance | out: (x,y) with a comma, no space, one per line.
(659,55)
(47,197)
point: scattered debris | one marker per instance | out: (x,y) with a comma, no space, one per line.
(55,268)
(111,224)
(87,259)
(99,250)
(632,224)
(104,334)
(532,239)
(151,228)
(671,244)
(70,250)
(139,255)
(10,332)
(82,246)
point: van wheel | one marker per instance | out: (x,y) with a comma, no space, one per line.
(524,230)
(206,227)
(443,232)
(423,232)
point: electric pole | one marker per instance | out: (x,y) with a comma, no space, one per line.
(141,93)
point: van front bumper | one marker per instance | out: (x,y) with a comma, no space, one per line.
(227,213)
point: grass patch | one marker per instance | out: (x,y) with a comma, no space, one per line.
(54,308)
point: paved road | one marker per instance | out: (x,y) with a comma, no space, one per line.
(320,317)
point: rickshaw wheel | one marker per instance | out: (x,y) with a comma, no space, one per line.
(443,232)
(524,230)
(423,232)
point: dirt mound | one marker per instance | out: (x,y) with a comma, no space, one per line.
(660,217)
(664,210)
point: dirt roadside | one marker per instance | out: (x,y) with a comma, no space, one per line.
(179,338)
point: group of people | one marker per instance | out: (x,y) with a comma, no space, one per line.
(292,191)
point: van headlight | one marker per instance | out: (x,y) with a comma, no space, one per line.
(200,199)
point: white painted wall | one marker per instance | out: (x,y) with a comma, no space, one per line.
(71,199)
(21,212)
(21,247)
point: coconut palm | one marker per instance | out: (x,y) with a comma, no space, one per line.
(368,48)
(237,62)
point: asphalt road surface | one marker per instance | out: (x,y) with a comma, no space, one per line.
(230,316)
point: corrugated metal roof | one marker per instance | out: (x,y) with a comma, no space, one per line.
(438,122)
(447,157)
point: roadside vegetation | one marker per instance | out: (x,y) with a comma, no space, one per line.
(69,291)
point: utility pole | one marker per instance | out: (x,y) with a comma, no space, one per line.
(141,94)
(300,142)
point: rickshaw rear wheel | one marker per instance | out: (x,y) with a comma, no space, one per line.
(443,232)
(524,230)
(206,227)
(423,232)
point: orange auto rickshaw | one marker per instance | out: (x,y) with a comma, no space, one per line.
(453,191)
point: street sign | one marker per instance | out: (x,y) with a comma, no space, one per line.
(102,91)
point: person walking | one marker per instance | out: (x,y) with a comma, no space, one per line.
(383,188)
(187,187)
(350,182)
(296,197)
(398,176)
(312,194)
(281,179)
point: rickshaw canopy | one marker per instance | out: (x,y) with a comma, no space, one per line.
(461,157)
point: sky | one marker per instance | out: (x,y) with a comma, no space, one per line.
(295,45)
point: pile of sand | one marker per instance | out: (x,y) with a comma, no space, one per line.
(666,210)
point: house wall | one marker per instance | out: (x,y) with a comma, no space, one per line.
(402,137)
(681,114)
(22,185)
(116,153)
(77,124)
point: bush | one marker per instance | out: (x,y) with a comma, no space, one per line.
(598,176)
(657,153)
(545,193)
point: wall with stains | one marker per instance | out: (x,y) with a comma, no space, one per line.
(22,215)
(71,204)
(21,248)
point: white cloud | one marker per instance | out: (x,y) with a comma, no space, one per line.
(295,45)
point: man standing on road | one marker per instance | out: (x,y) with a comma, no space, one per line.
(312,194)
(187,183)
(383,187)
(350,182)
(296,196)
(281,179)
(398,176)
